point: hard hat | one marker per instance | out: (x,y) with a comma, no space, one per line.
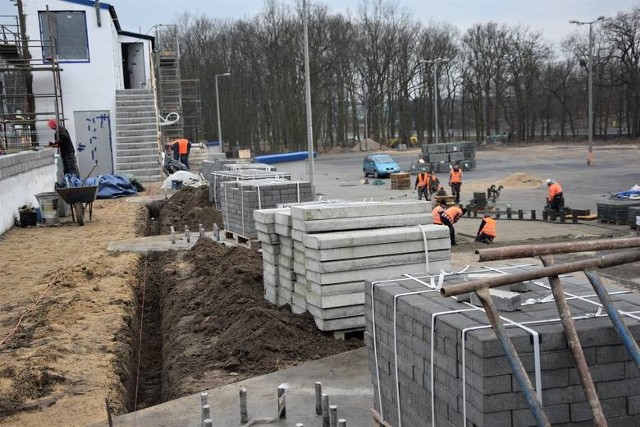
(52,123)
(548,181)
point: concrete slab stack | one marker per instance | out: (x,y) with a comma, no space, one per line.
(443,155)
(327,250)
(218,178)
(265,223)
(246,166)
(239,200)
(436,361)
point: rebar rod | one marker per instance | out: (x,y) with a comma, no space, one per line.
(602,261)
(526,251)
(573,341)
(512,356)
(625,334)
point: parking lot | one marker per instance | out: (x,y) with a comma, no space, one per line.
(339,176)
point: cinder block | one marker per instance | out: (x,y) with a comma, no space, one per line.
(503,300)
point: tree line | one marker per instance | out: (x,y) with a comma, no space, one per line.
(383,74)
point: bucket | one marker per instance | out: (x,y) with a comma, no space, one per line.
(49,203)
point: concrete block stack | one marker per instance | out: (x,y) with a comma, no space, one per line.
(420,371)
(245,166)
(239,200)
(328,250)
(265,223)
(218,178)
(443,155)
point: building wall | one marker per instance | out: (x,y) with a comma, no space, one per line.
(86,86)
(22,176)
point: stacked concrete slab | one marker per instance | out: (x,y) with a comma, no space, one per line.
(328,250)
(441,156)
(245,166)
(218,178)
(265,223)
(239,200)
(422,366)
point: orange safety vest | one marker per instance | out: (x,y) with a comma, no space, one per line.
(453,213)
(423,179)
(436,214)
(489,227)
(183,146)
(455,177)
(554,190)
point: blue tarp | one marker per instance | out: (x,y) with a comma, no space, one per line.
(284,157)
(109,186)
(631,194)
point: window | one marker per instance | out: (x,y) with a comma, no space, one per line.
(68,31)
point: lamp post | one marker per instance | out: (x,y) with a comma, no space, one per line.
(307,87)
(590,156)
(435,63)
(218,108)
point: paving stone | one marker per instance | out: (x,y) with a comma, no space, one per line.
(503,300)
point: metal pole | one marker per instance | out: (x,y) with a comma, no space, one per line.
(218,115)
(627,338)
(527,251)
(602,261)
(591,87)
(513,359)
(435,98)
(307,78)
(573,341)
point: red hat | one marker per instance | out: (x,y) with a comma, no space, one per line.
(52,123)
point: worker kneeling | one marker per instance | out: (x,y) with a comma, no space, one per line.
(555,198)
(487,230)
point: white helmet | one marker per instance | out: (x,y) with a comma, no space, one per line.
(548,181)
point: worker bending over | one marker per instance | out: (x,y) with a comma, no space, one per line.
(437,211)
(449,217)
(555,199)
(487,230)
(181,149)
(455,182)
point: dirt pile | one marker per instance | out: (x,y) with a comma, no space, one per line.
(520,180)
(189,206)
(217,328)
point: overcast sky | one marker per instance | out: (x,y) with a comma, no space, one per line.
(548,16)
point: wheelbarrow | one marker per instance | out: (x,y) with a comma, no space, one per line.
(80,198)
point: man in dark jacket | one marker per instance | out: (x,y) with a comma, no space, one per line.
(65,145)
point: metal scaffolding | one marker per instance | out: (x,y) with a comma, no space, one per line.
(192,110)
(169,84)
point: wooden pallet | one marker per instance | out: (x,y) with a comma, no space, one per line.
(241,240)
(400,181)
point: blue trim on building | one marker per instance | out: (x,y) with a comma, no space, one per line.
(90,3)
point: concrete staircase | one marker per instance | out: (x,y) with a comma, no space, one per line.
(137,145)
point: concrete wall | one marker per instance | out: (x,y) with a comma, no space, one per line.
(22,176)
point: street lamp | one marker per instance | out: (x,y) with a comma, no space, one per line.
(307,91)
(435,63)
(590,156)
(218,108)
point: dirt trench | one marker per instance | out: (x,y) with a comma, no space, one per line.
(205,322)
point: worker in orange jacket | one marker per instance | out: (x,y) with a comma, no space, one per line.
(426,184)
(437,212)
(455,181)
(449,217)
(487,230)
(555,198)
(181,149)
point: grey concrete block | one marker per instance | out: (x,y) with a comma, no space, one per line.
(374,261)
(365,222)
(341,239)
(503,300)
(356,210)
(557,414)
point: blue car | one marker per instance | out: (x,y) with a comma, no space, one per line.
(379,165)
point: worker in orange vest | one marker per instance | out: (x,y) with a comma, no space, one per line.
(181,149)
(449,217)
(426,184)
(437,212)
(455,181)
(487,230)
(555,198)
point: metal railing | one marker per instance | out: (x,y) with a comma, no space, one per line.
(552,270)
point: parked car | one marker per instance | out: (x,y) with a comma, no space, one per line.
(379,165)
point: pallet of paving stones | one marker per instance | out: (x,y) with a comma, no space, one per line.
(634,217)
(247,166)
(400,181)
(616,211)
(437,361)
(239,200)
(216,180)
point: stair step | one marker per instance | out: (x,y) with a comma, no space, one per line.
(132,116)
(139,159)
(122,153)
(139,133)
(133,142)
